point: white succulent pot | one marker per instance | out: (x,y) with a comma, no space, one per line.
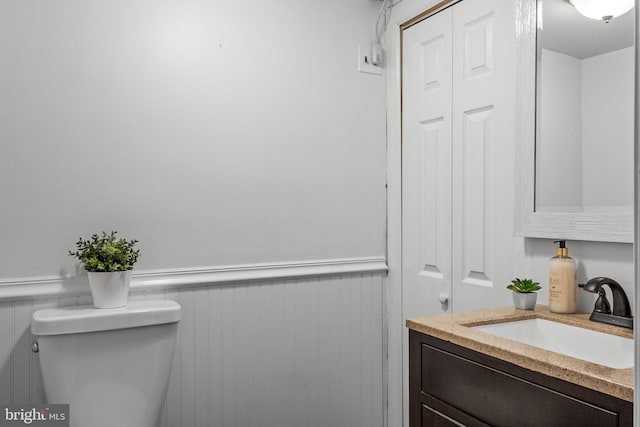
(109,289)
(525,301)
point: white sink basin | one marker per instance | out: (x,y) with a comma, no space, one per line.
(597,347)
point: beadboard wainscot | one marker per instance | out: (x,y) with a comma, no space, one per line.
(291,344)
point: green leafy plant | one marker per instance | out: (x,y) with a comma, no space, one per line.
(106,252)
(524,286)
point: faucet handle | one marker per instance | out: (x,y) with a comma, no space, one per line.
(602,303)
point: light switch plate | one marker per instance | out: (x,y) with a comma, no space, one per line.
(364,66)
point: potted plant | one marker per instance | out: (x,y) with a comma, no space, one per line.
(108,261)
(524,293)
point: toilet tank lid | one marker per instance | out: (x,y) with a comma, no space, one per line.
(79,319)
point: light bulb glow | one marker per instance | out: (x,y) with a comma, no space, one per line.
(601,9)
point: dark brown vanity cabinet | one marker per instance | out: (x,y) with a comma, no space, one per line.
(450,385)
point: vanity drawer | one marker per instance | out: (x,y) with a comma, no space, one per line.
(469,388)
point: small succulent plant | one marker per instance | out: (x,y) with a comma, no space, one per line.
(106,252)
(524,286)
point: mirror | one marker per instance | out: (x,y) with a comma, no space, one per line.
(584,120)
(577,173)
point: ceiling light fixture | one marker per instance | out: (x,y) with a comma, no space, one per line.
(604,10)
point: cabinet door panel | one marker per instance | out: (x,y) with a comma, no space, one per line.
(500,399)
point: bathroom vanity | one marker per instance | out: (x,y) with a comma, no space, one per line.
(459,375)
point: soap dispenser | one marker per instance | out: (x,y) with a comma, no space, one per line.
(563,292)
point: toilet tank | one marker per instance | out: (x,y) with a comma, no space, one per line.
(112,366)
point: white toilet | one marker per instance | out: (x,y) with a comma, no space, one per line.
(111,366)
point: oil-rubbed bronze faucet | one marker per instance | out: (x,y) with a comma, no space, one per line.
(621,315)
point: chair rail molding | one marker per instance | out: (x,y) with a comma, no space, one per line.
(145,280)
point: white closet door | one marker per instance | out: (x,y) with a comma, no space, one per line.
(426,165)
(457,130)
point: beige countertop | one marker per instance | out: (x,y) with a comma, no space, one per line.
(455,328)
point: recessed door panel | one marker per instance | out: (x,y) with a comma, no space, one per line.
(434,154)
(477,197)
(433,55)
(478,47)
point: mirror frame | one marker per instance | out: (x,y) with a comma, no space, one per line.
(588,226)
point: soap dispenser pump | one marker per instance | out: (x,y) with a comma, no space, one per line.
(563,292)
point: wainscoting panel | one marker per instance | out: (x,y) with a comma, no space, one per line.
(285,352)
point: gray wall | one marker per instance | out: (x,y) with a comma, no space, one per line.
(216,133)
(594,259)
(238,142)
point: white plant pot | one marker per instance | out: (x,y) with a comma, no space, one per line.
(109,289)
(525,301)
